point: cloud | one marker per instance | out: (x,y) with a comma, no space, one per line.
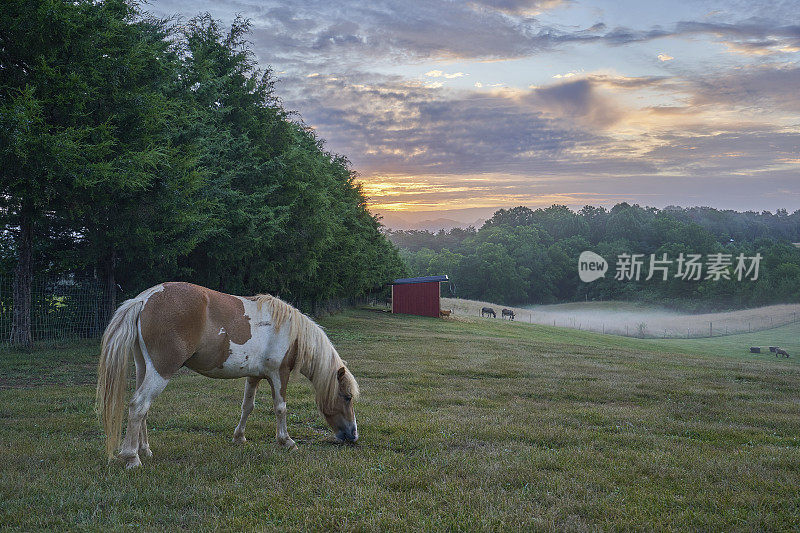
(398,31)
(576,101)
(713,117)
(763,47)
(739,153)
(440,74)
(763,87)
(520,7)
(629,82)
(313,35)
(388,124)
(754,36)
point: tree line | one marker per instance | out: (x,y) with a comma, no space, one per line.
(526,256)
(135,150)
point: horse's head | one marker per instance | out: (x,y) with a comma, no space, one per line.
(339,412)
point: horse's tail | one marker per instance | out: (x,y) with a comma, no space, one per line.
(119,341)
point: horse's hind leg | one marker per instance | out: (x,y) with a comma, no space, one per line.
(151,386)
(144,444)
(249,401)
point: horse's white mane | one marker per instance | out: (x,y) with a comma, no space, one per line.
(314,354)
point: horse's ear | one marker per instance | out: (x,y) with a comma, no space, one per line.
(340,372)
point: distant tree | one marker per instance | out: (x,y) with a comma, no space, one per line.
(490,273)
(595,219)
(560,222)
(545,248)
(517,216)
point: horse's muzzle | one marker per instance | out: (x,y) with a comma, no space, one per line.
(348,435)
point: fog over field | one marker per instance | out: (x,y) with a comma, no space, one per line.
(639,320)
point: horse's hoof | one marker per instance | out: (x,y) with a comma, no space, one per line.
(239,440)
(147,452)
(289,445)
(133,462)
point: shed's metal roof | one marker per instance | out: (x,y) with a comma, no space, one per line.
(423,279)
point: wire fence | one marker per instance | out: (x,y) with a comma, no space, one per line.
(61,309)
(67,309)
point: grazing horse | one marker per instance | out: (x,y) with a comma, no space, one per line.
(508,313)
(443,313)
(488,311)
(781,351)
(219,336)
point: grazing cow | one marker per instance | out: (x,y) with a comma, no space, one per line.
(781,351)
(444,312)
(509,313)
(487,311)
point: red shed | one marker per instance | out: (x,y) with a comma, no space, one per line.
(417,296)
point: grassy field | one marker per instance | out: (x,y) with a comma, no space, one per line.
(465,424)
(638,319)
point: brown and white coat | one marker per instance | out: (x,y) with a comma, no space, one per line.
(220,336)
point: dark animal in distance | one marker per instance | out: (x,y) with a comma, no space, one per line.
(488,311)
(781,351)
(509,313)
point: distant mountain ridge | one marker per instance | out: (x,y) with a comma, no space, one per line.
(396,222)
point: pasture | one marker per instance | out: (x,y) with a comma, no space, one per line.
(636,319)
(465,423)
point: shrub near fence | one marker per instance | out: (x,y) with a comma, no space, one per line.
(61,309)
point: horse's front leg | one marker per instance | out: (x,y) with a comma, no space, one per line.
(248,403)
(278,384)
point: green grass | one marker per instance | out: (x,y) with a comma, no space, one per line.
(787,337)
(464,424)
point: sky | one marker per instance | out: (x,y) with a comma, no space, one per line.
(456,109)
